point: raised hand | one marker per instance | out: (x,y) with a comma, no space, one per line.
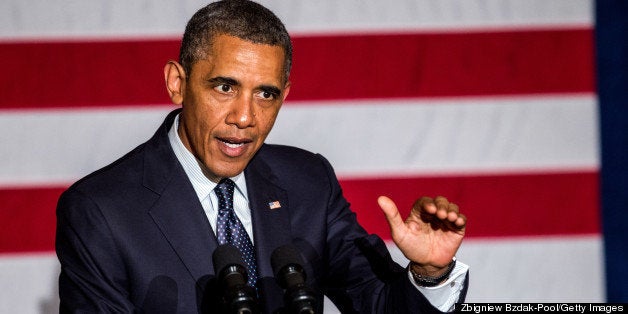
(431,235)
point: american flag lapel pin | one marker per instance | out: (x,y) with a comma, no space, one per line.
(274,205)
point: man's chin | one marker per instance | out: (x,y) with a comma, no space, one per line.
(227,171)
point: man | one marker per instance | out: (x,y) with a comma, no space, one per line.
(138,235)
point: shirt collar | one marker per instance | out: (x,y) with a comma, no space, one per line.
(192,167)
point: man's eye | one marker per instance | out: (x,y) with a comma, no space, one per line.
(267,95)
(224,88)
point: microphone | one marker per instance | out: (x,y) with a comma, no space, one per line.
(287,267)
(229,266)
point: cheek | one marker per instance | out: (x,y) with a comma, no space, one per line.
(205,115)
(269,115)
(200,126)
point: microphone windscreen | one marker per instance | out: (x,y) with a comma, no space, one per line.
(225,255)
(283,256)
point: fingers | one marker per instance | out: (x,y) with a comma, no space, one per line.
(426,204)
(461,221)
(442,209)
(390,210)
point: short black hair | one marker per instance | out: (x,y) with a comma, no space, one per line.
(243,19)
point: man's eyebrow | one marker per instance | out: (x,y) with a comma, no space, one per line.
(219,80)
(270,89)
(224,80)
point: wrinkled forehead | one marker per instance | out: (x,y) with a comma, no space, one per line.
(206,49)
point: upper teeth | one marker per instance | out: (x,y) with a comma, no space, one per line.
(232,145)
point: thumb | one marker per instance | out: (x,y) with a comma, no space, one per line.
(392,213)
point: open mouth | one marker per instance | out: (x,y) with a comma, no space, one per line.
(234,146)
(234,143)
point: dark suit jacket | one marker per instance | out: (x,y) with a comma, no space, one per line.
(133,237)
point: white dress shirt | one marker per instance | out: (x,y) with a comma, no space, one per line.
(442,296)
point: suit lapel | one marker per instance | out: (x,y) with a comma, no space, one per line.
(178,213)
(271,226)
(180,217)
(269,211)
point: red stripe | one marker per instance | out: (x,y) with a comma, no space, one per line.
(445,64)
(70,74)
(500,205)
(113,73)
(27,219)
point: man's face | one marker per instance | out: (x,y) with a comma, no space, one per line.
(230,103)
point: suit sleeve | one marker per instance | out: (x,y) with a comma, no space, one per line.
(92,278)
(362,276)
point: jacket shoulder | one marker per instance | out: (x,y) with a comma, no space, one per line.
(287,152)
(126,168)
(292,159)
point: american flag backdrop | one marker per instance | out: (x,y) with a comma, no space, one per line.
(492,103)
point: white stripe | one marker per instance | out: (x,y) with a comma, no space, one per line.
(561,269)
(331,16)
(50,147)
(21,19)
(360,138)
(443,136)
(535,269)
(29,283)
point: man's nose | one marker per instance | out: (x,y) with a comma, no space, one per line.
(242,113)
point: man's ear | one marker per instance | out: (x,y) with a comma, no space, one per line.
(286,91)
(175,81)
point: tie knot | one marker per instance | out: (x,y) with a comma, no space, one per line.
(224,191)
(225,186)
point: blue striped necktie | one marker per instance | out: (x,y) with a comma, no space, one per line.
(230,229)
